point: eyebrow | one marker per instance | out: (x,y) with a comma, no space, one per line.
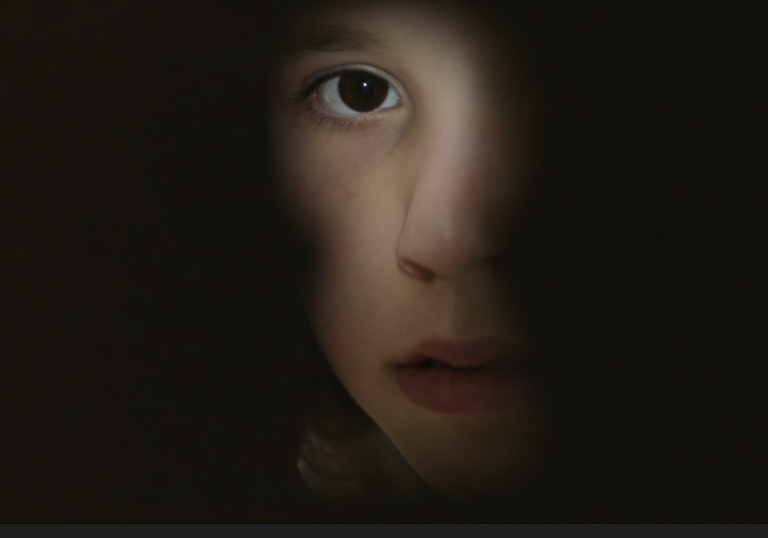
(328,39)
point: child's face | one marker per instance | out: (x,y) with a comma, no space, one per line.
(399,136)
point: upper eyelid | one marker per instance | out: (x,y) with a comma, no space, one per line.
(311,82)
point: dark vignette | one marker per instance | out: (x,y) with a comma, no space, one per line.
(150,367)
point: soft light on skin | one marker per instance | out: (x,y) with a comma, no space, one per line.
(407,209)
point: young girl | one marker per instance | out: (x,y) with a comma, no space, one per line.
(402,143)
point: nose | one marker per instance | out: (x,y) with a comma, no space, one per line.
(464,177)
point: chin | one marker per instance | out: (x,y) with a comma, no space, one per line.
(471,457)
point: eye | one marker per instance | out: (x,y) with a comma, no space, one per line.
(356,92)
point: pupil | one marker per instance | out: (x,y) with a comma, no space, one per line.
(365,86)
(362,92)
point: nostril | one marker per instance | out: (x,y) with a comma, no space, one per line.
(415,270)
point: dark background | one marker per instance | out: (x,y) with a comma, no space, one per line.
(149,364)
(146,300)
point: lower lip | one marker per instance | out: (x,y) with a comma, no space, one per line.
(455,391)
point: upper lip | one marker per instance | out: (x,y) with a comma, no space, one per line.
(467,354)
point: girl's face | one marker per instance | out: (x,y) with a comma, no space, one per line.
(399,137)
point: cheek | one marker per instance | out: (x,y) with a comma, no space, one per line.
(354,306)
(327,175)
(341,187)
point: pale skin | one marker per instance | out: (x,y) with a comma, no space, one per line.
(407,207)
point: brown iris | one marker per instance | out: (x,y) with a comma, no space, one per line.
(362,92)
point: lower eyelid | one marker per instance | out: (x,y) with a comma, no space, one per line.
(323,117)
(329,120)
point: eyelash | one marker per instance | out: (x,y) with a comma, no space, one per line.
(303,97)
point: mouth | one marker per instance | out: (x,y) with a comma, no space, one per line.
(479,376)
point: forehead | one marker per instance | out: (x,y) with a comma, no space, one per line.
(395,27)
